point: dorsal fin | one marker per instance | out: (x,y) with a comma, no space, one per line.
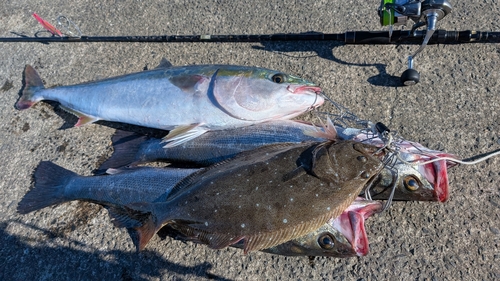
(164,63)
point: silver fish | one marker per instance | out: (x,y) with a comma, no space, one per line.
(343,236)
(422,182)
(188,100)
(131,149)
(55,185)
(428,182)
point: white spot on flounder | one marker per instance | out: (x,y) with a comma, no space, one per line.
(206,223)
(291,199)
(242,225)
(285,220)
(328,208)
(257,204)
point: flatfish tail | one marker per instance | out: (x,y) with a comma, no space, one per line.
(141,224)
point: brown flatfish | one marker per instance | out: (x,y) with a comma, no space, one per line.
(263,197)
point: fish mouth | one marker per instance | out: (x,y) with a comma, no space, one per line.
(304,88)
(437,174)
(308,89)
(351,223)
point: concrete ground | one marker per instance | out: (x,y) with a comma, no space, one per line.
(454,108)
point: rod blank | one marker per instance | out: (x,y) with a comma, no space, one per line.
(350,37)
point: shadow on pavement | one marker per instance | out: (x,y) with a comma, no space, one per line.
(20,260)
(325,50)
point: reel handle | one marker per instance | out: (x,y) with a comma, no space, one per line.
(423,13)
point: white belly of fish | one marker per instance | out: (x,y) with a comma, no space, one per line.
(155,103)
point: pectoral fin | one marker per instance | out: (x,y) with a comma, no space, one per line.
(299,171)
(182,134)
(327,131)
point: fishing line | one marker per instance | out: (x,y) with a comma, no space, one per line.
(458,161)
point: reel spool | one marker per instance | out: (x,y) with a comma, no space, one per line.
(422,13)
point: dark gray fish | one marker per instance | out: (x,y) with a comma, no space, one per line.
(56,185)
(415,183)
(339,237)
(131,149)
(264,197)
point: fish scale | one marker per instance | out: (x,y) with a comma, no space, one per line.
(246,198)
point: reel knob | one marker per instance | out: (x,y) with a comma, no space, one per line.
(410,77)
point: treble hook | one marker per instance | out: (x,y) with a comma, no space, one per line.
(67,27)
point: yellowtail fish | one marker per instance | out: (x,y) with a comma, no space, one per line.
(187,100)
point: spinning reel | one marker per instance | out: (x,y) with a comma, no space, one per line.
(422,13)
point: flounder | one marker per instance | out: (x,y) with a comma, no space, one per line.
(264,197)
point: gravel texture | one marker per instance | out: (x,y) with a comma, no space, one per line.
(454,108)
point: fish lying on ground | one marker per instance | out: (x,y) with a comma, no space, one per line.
(56,185)
(131,149)
(436,172)
(263,197)
(343,236)
(188,100)
(424,183)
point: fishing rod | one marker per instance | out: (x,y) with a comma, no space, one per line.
(391,13)
(349,37)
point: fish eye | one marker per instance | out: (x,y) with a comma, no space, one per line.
(278,78)
(411,183)
(325,241)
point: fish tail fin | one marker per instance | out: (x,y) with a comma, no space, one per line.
(32,84)
(139,219)
(50,181)
(126,145)
(141,235)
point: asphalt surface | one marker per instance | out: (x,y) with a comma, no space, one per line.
(454,108)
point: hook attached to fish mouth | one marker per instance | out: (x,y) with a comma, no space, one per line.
(392,187)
